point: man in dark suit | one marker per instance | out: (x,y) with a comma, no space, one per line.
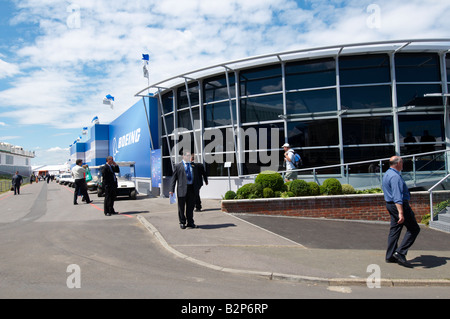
(184,176)
(199,171)
(109,181)
(16,181)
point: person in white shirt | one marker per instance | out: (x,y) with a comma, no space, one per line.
(79,175)
(289,160)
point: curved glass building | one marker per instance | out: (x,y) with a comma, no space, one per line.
(333,105)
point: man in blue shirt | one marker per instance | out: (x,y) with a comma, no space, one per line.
(397,196)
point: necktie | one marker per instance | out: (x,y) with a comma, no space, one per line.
(188,173)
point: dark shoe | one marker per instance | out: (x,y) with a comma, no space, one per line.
(89,202)
(198,209)
(400,259)
(75,203)
(107,214)
(192,226)
(182,226)
(391,260)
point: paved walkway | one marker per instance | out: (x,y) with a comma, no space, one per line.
(232,244)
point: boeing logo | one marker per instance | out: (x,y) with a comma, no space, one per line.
(125,140)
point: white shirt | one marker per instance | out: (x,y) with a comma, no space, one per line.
(78,172)
(290,165)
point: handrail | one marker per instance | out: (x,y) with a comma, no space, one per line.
(346,165)
(431,194)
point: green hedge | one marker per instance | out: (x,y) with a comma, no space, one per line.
(269,184)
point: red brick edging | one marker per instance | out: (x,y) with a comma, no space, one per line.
(355,207)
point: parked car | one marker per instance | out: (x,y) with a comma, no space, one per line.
(65,179)
(126,180)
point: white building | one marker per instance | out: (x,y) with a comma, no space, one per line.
(14,158)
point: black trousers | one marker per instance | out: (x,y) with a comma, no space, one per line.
(80,187)
(110,197)
(17,189)
(412,230)
(186,207)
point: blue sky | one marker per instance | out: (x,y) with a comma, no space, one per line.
(58,59)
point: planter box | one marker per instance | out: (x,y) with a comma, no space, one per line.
(355,207)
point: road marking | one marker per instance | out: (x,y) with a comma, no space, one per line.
(96,207)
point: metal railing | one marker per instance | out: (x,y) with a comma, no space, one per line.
(418,168)
(431,195)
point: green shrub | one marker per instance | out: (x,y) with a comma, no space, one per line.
(314,189)
(250,191)
(270,179)
(299,187)
(370,191)
(230,195)
(277,194)
(287,194)
(268,192)
(348,189)
(244,191)
(332,186)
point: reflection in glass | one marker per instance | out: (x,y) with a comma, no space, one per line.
(215,89)
(182,99)
(262,108)
(311,73)
(417,67)
(260,80)
(373,130)
(311,101)
(366,97)
(218,114)
(363,69)
(313,133)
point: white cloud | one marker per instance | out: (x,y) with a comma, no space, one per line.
(8,69)
(65,72)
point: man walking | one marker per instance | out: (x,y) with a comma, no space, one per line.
(184,177)
(109,181)
(397,196)
(289,157)
(16,181)
(79,173)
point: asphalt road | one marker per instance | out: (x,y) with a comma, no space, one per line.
(43,235)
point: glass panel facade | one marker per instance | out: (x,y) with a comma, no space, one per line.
(366,97)
(167,100)
(182,98)
(417,129)
(218,114)
(310,74)
(184,118)
(215,89)
(313,133)
(311,101)
(417,67)
(303,108)
(372,130)
(362,69)
(261,108)
(413,94)
(260,80)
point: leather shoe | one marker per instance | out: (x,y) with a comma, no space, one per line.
(192,226)
(182,226)
(107,214)
(400,258)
